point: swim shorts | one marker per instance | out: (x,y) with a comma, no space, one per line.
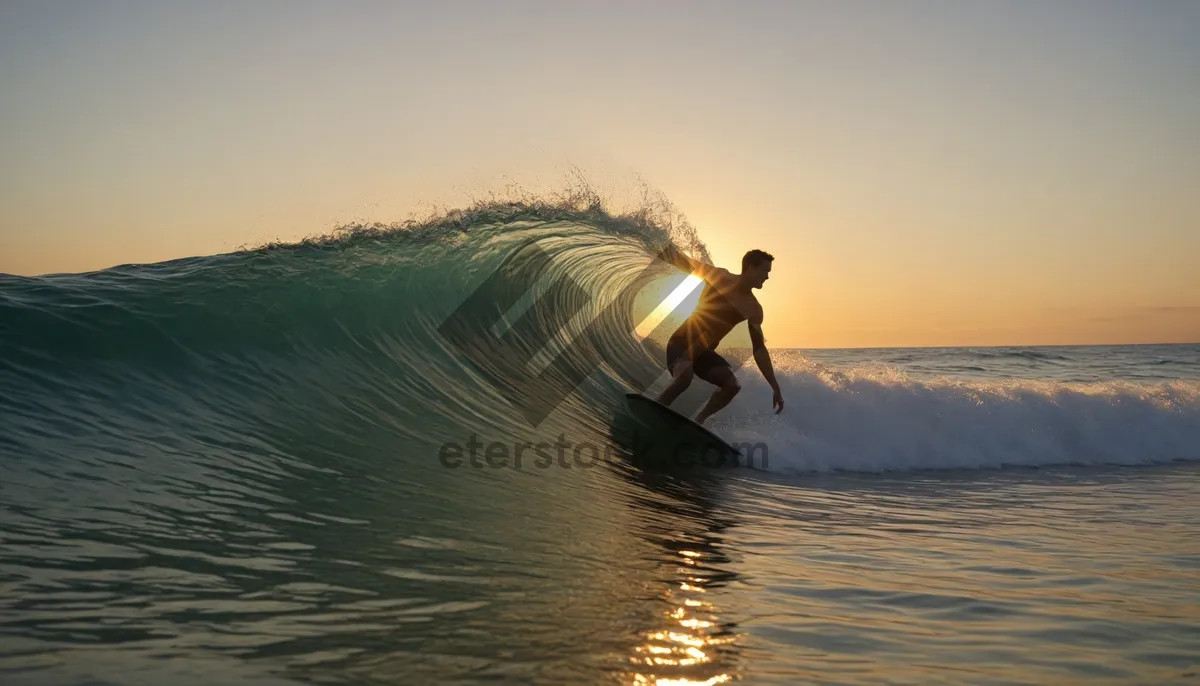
(705,360)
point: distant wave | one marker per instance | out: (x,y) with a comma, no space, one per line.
(1027,354)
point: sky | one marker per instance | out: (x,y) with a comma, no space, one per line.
(925,173)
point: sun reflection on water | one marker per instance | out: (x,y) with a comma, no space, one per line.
(686,650)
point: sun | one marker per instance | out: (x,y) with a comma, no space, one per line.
(668,306)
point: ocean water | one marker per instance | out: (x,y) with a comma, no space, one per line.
(257,468)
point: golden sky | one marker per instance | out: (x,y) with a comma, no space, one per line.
(925,173)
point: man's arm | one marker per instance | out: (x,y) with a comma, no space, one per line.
(691,265)
(763,359)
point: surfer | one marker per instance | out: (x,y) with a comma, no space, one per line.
(725,302)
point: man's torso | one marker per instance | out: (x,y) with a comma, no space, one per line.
(719,310)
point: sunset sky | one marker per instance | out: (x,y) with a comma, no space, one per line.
(926,173)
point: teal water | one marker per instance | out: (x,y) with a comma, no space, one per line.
(231,469)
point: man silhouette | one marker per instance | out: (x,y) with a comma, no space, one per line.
(726,301)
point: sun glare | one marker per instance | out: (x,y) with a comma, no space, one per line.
(668,305)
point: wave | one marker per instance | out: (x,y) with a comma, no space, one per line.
(1040,355)
(324,341)
(291,356)
(876,419)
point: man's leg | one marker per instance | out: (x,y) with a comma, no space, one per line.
(681,375)
(727,384)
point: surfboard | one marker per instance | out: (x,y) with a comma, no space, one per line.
(683,431)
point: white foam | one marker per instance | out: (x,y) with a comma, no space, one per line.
(877,419)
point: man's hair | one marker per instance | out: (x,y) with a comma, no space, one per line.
(755,258)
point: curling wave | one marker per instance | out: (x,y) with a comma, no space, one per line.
(341,341)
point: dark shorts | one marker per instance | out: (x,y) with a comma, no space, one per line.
(701,363)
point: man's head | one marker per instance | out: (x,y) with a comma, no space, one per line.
(756,267)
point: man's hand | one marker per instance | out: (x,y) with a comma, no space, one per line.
(763,359)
